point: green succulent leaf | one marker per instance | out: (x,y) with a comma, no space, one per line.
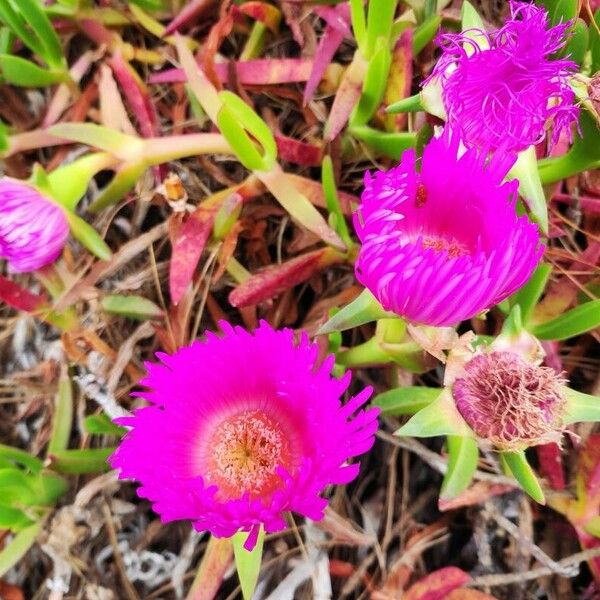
(529,295)
(336,217)
(102,425)
(13,519)
(50,488)
(14,551)
(561,10)
(576,321)
(425,32)
(88,236)
(121,184)
(89,460)
(21,72)
(134,307)
(63,415)
(380,19)
(594,44)
(406,400)
(578,42)
(385,143)
(516,463)
(20,457)
(463,455)
(17,487)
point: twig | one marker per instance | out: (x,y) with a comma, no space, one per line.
(508,578)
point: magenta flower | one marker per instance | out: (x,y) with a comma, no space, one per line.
(243,428)
(33,228)
(441,245)
(509,90)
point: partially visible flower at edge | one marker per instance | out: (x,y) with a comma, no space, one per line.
(33,228)
(441,245)
(241,429)
(509,90)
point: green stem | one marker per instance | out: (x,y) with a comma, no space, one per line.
(161,150)
(215,562)
(366,354)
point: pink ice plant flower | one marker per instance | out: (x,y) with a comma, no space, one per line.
(242,429)
(510,86)
(441,245)
(33,228)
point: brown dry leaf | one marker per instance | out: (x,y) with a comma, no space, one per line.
(478,493)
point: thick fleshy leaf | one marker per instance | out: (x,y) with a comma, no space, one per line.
(363,309)
(20,298)
(387,144)
(188,15)
(88,460)
(14,551)
(189,243)
(346,98)
(400,79)
(528,296)
(463,455)
(88,236)
(122,183)
(216,560)
(425,32)
(275,279)
(247,562)
(576,321)
(437,585)
(406,400)
(298,205)
(62,419)
(337,219)
(530,186)
(550,465)
(134,307)
(380,18)
(21,72)
(264,12)
(517,464)
(102,425)
(440,417)
(581,407)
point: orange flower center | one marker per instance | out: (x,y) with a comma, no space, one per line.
(245,451)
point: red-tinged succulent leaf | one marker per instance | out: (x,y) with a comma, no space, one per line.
(292,14)
(218,32)
(550,465)
(190,239)
(277,278)
(437,585)
(347,97)
(260,71)
(136,95)
(313,190)
(188,15)
(589,472)
(399,79)
(328,44)
(20,298)
(337,17)
(468,594)
(267,14)
(478,493)
(10,592)
(297,152)
(97,32)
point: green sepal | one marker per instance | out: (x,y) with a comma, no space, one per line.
(463,455)
(528,296)
(134,307)
(580,408)
(247,562)
(576,321)
(14,551)
(440,417)
(530,186)
(88,236)
(363,309)
(406,400)
(516,463)
(24,73)
(410,104)
(471,24)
